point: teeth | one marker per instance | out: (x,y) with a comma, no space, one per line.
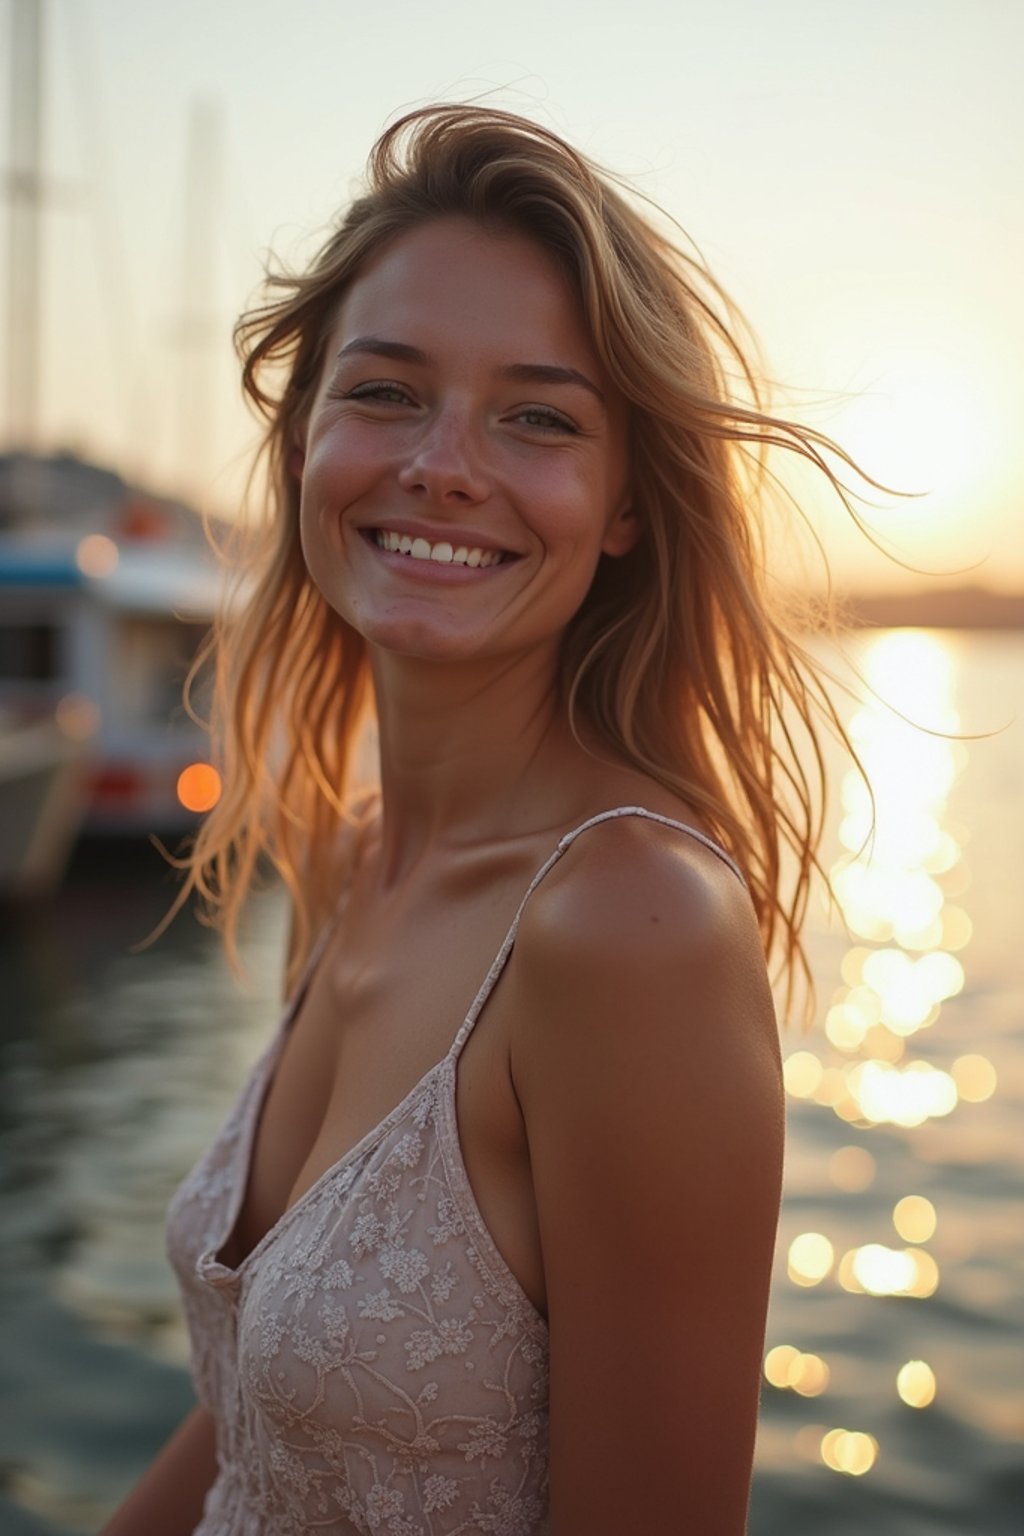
(442,553)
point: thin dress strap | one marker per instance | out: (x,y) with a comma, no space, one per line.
(564,843)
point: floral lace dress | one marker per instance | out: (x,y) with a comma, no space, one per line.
(372,1365)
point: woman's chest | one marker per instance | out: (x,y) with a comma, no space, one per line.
(374,1023)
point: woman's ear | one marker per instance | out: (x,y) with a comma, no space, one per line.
(622,532)
(297,462)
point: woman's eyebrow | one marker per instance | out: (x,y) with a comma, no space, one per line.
(376,346)
(520,373)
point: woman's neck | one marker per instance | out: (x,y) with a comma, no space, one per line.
(470,754)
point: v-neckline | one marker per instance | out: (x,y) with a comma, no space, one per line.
(247,1148)
(264,1078)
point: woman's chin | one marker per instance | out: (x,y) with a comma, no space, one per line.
(424,642)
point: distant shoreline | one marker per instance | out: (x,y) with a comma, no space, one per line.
(949,608)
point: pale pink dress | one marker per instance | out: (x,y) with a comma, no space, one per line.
(373,1365)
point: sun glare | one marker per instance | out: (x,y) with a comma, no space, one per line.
(918,428)
(925,426)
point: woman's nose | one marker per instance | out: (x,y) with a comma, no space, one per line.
(444,462)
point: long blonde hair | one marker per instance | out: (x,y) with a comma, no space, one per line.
(680,662)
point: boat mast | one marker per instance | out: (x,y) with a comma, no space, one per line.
(25,193)
(199,329)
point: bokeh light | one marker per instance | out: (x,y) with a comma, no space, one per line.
(888,1095)
(884,1271)
(199,787)
(926,1273)
(915,1384)
(777,1363)
(876,1270)
(789,1368)
(832,1089)
(881,1044)
(975,1078)
(77,716)
(851,1169)
(801,1073)
(849,1451)
(810,1259)
(96,555)
(914,1219)
(957,928)
(809,1375)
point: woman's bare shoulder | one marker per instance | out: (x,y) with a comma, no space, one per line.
(633,876)
(643,928)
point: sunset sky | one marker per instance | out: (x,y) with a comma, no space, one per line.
(852,172)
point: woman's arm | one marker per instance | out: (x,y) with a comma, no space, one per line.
(168,1500)
(646,1060)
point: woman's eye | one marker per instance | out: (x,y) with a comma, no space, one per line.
(388,394)
(543,416)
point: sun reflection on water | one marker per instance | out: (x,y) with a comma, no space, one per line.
(915,1383)
(914,1219)
(899,883)
(852,1169)
(850,1451)
(787,1367)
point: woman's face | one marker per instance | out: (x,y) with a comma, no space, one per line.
(465,463)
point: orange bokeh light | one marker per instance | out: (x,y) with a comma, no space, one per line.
(199,787)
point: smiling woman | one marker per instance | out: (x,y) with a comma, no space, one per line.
(509,1274)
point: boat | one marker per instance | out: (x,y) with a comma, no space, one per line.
(106,592)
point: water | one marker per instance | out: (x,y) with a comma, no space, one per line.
(115,1069)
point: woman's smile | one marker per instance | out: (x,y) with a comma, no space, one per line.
(441,553)
(437,554)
